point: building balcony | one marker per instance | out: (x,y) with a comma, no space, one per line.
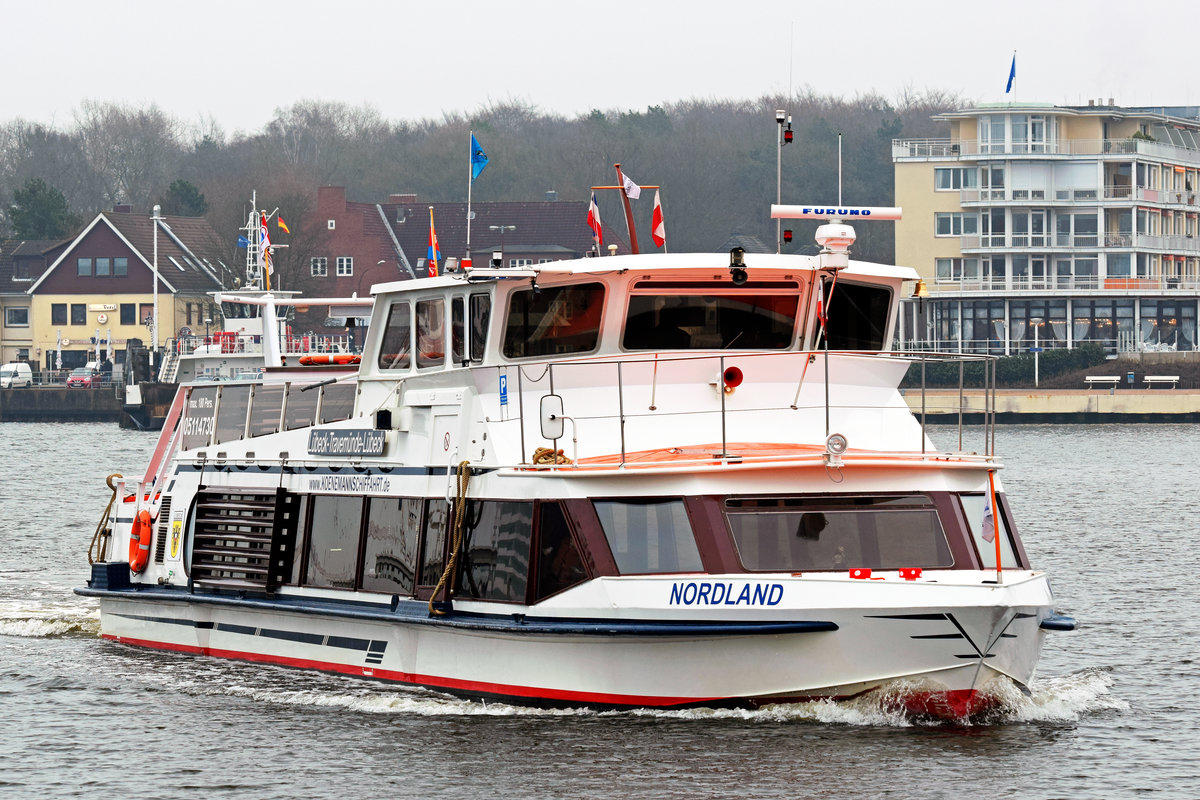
(959,149)
(1024,284)
(1178,245)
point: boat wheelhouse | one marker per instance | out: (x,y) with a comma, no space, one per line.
(645,480)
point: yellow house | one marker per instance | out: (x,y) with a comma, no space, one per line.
(101,288)
(1060,224)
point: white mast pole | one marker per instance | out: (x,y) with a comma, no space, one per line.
(470,182)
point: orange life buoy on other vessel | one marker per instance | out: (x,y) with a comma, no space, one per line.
(139,541)
(316,359)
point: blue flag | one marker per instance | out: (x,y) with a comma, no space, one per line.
(1012,74)
(242,242)
(479,159)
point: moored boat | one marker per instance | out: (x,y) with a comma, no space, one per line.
(630,481)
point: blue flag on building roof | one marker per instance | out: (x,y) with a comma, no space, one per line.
(479,159)
(1012,73)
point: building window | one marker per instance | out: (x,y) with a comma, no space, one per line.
(957,269)
(78,314)
(120,267)
(83,267)
(956,224)
(520,262)
(128,314)
(58,313)
(331,224)
(951,179)
(103,267)
(345,265)
(16,317)
(319,267)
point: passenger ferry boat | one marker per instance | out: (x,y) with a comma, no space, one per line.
(630,481)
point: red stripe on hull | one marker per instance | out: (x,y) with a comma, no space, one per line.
(433,681)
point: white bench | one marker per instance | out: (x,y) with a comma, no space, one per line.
(1110,381)
(1154,380)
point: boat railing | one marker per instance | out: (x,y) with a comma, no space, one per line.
(231,343)
(628,401)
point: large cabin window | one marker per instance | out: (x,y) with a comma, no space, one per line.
(433,543)
(837,533)
(759,318)
(857,315)
(333,541)
(559,565)
(396,343)
(553,320)
(648,536)
(390,557)
(977,508)
(231,416)
(494,563)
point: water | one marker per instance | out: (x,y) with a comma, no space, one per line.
(1108,510)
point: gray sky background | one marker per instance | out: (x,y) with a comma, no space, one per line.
(238,62)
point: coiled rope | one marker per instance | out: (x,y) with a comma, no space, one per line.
(98,549)
(460,515)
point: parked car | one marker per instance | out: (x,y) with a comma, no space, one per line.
(82,378)
(16,375)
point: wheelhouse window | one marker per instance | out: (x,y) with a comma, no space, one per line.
(857,316)
(554,320)
(481,312)
(788,534)
(649,536)
(431,333)
(978,511)
(678,317)
(396,344)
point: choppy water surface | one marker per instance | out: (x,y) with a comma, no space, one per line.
(1110,511)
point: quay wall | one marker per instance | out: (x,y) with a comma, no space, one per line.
(1060,405)
(60,404)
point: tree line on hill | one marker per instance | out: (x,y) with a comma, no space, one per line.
(715,161)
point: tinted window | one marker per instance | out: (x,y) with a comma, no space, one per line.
(553,320)
(433,543)
(649,536)
(793,534)
(494,563)
(333,541)
(396,344)
(231,416)
(743,320)
(857,316)
(977,509)
(559,565)
(390,558)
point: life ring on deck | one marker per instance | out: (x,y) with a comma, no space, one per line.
(338,358)
(139,541)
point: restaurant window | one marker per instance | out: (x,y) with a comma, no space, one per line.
(396,343)
(837,533)
(390,554)
(16,317)
(553,320)
(58,313)
(494,562)
(78,314)
(333,541)
(648,536)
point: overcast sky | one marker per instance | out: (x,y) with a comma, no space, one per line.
(238,62)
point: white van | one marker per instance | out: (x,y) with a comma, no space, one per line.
(16,375)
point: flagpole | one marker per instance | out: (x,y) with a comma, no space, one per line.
(470,183)
(633,242)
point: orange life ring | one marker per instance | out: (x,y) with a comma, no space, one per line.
(139,541)
(317,359)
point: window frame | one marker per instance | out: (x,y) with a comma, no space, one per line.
(12,312)
(318,267)
(345,266)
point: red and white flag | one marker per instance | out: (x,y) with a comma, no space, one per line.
(594,221)
(657,230)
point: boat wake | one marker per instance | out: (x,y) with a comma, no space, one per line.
(48,620)
(1062,699)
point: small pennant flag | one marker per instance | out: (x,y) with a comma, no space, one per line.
(1012,73)
(593,220)
(479,159)
(632,190)
(657,229)
(282,225)
(434,255)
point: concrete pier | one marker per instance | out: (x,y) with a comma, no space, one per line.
(1060,405)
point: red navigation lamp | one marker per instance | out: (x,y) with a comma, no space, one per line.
(731,378)
(787,235)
